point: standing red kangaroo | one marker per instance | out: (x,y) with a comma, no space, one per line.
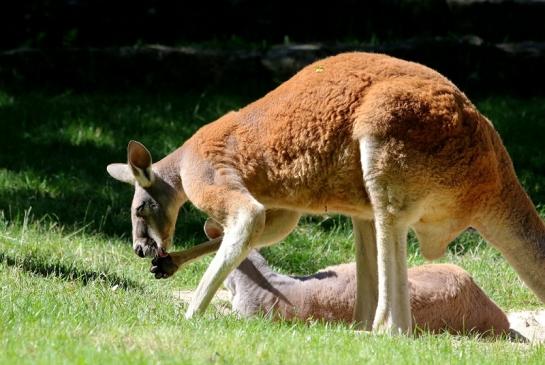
(392,144)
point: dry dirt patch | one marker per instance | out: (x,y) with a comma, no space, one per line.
(530,324)
(221,300)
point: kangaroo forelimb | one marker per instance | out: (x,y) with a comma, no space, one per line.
(166,266)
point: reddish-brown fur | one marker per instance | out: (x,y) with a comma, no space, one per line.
(393,144)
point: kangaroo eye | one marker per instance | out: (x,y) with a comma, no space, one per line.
(142,210)
(146,208)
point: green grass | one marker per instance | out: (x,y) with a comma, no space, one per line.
(72,290)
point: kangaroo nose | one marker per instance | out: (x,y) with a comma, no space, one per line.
(139,251)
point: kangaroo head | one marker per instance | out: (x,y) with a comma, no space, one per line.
(156,202)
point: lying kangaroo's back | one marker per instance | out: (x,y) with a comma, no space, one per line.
(442,296)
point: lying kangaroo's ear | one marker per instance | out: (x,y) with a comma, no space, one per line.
(121,172)
(140,163)
(212,229)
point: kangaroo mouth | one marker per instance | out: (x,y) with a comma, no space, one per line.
(149,248)
(157,249)
(161,252)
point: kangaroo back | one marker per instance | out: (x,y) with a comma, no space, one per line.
(443,297)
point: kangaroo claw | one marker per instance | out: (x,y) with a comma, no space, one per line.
(163,267)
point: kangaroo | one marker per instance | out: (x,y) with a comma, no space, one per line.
(442,297)
(390,143)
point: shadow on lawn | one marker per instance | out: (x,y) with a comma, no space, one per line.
(33,264)
(55,150)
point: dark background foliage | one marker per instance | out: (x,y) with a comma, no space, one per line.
(101,23)
(79,78)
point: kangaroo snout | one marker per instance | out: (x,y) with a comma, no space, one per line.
(147,247)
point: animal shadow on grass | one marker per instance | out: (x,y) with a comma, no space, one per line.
(34,264)
(55,151)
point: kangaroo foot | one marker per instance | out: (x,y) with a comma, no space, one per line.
(163,267)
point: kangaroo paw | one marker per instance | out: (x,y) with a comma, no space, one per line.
(163,267)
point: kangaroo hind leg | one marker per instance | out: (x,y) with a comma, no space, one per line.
(392,207)
(366,273)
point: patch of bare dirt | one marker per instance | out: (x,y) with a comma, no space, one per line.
(529,324)
(221,301)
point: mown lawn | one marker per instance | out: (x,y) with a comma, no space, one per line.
(72,290)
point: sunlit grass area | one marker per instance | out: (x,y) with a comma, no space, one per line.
(72,290)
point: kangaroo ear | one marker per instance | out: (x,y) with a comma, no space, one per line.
(121,172)
(212,229)
(140,163)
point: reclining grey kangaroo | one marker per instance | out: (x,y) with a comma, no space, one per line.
(442,297)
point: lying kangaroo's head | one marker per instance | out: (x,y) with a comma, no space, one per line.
(157,199)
